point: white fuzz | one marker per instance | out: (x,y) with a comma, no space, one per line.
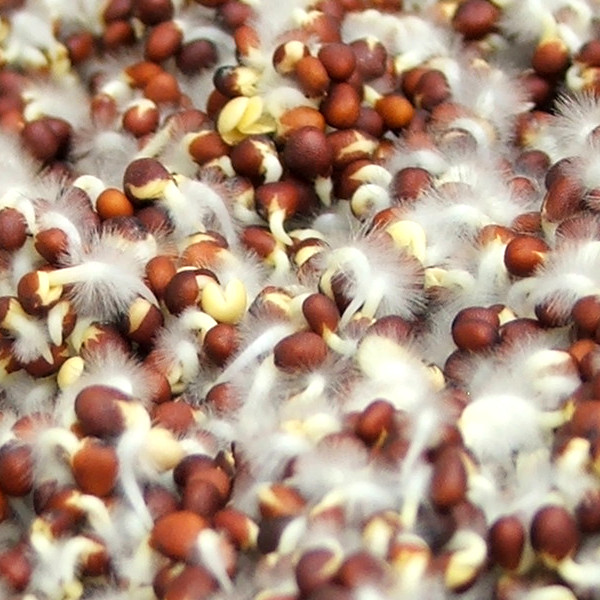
(568,274)
(63,97)
(25,394)
(105,153)
(107,275)
(577,116)
(380,280)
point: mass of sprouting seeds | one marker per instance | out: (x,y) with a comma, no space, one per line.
(299,300)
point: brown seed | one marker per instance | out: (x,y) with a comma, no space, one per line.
(153,12)
(117,34)
(321,313)
(300,352)
(185,289)
(206,146)
(98,412)
(409,183)
(506,542)
(143,321)
(286,56)
(163,88)
(175,534)
(563,199)
(95,467)
(586,314)
(176,416)
(220,343)
(163,42)
(315,568)
(16,567)
(431,89)
(193,582)
(195,56)
(360,568)
(375,422)
(371,58)
(395,110)
(280,500)
(341,106)
(16,469)
(587,512)
(554,533)
(474,19)
(449,480)
(13,229)
(475,329)
(160,500)
(338,59)
(550,58)
(112,202)
(312,76)
(40,139)
(141,119)
(307,153)
(524,254)
(191,466)
(201,497)
(238,526)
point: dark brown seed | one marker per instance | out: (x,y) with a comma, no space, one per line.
(299,352)
(449,480)
(554,533)
(506,542)
(98,412)
(13,229)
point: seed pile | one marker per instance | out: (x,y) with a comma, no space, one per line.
(299,300)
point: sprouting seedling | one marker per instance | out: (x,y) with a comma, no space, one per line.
(373,278)
(104,277)
(31,338)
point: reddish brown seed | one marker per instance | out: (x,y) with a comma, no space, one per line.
(176,416)
(587,512)
(375,422)
(163,88)
(163,41)
(280,500)
(554,533)
(395,110)
(338,59)
(409,183)
(191,583)
(474,19)
(223,399)
(349,145)
(191,466)
(16,469)
(315,568)
(585,421)
(360,568)
(195,56)
(159,271)
(175,534)
(550,58)
(307,153)
(321,313)
(201,497)
(475,329)
(312,76)
(98,412)
(371,58)
(184,289)
(341,106)
(95,467)
(586,314)
(16,567)
(431,89)
(117,34)
(238,526)
(299,352)
(141,120)
(160,500)
(506,541)
(153,12)
(449,480)
(40,139)
(206,146)
(13,229)
(220,343)
(563,199)
(117,10)
(112,202)
(524,254)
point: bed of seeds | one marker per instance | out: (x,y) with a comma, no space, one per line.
(299,300)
